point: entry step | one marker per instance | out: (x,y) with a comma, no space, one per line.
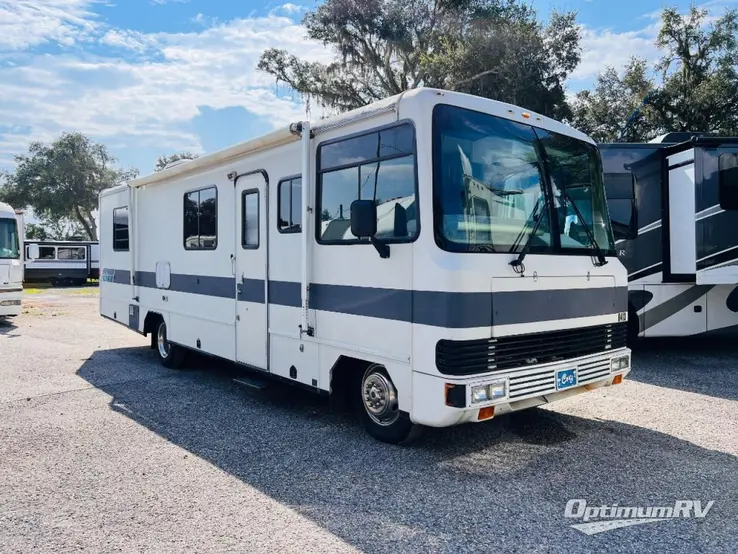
(251,382)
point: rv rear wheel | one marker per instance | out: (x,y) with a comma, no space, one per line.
(170,355)
(378,408)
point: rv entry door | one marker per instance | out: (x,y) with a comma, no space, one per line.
(251,270)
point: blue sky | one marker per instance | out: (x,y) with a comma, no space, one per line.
(152,77)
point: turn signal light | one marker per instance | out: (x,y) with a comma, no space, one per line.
(486,413)
(618,379)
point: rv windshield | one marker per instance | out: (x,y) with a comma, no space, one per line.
(9,247)
(499,185)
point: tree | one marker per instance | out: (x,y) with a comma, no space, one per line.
(698,88)
(493,48)
(162,162)
(700,83)
(617,108)
(36,232)
(62,181)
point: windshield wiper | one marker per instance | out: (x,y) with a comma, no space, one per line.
(517,263)
(601,260)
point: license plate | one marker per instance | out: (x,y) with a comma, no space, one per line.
(566,378)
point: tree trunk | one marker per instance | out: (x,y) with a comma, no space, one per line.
(88,224)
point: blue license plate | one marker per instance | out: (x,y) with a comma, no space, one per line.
(566,378)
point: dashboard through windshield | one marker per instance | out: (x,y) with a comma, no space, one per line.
(499,185)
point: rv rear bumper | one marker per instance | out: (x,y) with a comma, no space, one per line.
(10,301)
(441,402)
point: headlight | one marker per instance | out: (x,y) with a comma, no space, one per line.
(10,303)
(490,391)
(621,362)
(479,394)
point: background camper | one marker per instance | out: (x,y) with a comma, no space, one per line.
(677,232)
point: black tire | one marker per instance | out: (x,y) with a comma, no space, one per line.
(170,355)
(386,423)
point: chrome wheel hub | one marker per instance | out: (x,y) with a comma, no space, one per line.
(380,399)
(162,341)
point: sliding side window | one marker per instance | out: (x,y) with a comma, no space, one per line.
(201,219)
(120,229)
(289,209)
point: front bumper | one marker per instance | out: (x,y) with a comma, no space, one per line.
(448,401)
(10,303)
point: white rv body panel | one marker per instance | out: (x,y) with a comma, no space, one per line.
(682,245)
(11,261)
(240,297)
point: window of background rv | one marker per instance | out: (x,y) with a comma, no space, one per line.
(621,204)
(47,253)
(728,180)
(120,229)
(201,219)
(378,165)
(250,219)
(289,209)
(488,186)
(71,253)
(44,253)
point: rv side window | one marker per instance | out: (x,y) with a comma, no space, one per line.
(728,180)
(120,229)
(289,208)
(250,219)
(69,253)
(378,165)
(201,219)
(47,253)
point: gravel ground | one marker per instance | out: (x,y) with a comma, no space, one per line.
(102,449)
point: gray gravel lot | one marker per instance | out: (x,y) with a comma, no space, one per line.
(102,449)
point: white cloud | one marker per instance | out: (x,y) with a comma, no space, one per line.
(148,87)
(27,23)
(288,8)
(603,47)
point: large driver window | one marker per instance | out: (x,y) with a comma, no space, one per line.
(379,166)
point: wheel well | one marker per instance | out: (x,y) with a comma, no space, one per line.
(151,322)
(344,374)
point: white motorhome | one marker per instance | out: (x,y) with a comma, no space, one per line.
(410,256)
(62,262)
(11,261)
(677,232)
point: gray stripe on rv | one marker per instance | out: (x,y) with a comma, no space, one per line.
(659,313)
(459,310)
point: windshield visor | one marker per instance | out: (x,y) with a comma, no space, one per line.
(9,247)
(493,192)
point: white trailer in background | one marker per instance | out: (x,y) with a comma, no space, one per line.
(62,262)
(435,258)
(11,261)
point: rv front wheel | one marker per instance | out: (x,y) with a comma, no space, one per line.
(170,355)
(379,411)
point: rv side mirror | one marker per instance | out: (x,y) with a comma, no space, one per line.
(33,253)
(364,224)
(363,218)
